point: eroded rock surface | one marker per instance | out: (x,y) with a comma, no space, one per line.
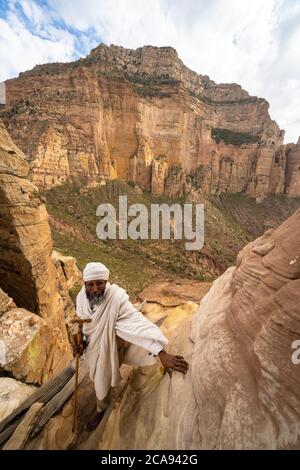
(32,352)
(27,274)
(12,394)
(143,116)
(6,303)
(171,293)
(68,277)
(242,390)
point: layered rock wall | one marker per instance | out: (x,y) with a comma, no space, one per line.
(292,179)
(122,113)
(27,275)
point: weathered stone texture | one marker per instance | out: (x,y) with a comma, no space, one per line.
(27,275)
(137,115)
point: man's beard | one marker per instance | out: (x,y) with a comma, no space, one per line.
(94,297)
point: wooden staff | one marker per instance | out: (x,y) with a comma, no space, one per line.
(80,323)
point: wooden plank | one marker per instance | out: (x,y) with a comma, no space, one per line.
(42,395)
(8,431)
(56,403)
(19,438)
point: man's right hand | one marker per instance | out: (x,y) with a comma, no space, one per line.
(171,362)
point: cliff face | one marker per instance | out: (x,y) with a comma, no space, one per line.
(292,180)
(141,115)
(34,334)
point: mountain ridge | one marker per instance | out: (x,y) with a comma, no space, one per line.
(143,116)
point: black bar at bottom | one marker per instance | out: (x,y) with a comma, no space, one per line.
(137,458)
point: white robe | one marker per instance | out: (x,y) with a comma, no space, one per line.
(115,315)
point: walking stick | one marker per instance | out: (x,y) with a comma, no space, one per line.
(80,323)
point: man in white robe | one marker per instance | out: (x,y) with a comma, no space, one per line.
(117,333)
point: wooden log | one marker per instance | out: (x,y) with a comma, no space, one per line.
(19,438)
(42,395)
(56,403)
(8,431)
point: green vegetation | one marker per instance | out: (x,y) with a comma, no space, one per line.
(200,97)
(151,79)
(197,177)
(233,138)
(256,218)
(207,99)
(248,100)
(231,221)
(151,92)
(150,86)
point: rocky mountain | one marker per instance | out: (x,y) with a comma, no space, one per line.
(143,116)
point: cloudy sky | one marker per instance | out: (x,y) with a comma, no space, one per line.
(255,43)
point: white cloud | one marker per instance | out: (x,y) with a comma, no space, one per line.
(33,12)
(22,49)
(252,43)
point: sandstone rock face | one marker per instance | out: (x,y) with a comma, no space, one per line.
(243,388)
(31,352)
(12,394)
(6,303)
(26,270)
(292,181)
(172,293)
(68,276)
(68,270)
(143,116)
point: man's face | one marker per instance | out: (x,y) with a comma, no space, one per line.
(95,288)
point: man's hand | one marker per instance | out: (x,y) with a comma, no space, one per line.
(78,348)
(171,363)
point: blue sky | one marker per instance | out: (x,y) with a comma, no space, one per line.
(251,42)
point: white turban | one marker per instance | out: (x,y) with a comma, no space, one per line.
(95,272)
